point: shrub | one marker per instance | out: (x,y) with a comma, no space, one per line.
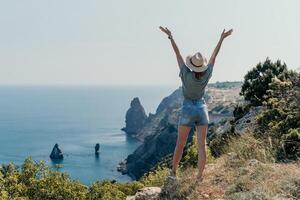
(105,190)
(241,110)
(34,180)
(155,178)
(290,145)
(130,188)
(191,157)
(280,121)
(256,81)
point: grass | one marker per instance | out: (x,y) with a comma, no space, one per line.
(241,181)
(248,147)
(247,172)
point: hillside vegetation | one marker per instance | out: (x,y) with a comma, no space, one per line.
(254,155)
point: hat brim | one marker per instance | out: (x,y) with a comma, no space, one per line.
(193,68)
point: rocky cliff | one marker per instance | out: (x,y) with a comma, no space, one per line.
(159,131)
(56,153)
(135,117)
(166,114)
(158,135)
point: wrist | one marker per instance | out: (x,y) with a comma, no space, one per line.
(170,37)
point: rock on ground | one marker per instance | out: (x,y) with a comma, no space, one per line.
(147,193)
(247,122)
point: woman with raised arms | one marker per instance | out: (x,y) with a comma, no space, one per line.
(195,73)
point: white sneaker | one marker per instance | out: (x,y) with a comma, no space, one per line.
(171,178)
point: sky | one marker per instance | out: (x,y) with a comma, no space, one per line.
(117,42)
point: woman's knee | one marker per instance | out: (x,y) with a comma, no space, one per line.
(180,143)
(183,133)
(201,137)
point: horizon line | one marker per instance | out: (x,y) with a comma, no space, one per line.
(103,85)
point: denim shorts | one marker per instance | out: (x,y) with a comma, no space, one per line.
(193,113)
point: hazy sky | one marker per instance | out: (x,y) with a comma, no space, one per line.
(118,42)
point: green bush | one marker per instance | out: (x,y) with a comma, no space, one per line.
(277,89)
(156,177)
(290,145)
(280,120)
(241,110)
(34,180)
(130,188)
(256,81)
(105,190)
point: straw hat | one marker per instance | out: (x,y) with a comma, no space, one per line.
(196,63)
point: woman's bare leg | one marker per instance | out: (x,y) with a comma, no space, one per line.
(183,133)
(201,139)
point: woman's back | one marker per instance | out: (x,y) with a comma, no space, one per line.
(192,87)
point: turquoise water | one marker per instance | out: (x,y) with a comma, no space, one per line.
(33,119)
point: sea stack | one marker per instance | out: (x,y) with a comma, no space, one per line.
(135,117)
(97,147)
(56,153)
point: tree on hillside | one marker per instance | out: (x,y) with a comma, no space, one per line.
(256,81)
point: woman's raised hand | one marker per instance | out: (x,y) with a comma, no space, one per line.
(166,31)
(225,34)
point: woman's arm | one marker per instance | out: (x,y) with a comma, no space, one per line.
(217,49)
(175,48)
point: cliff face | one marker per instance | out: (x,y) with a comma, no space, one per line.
(159,131)
(166,114)
(158,135)
(135,117)
(151,151)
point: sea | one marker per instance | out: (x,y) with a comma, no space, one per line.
(34,118)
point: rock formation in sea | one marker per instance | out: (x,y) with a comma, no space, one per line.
(56,153)
(135,117)
(159,131)
(97,147)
